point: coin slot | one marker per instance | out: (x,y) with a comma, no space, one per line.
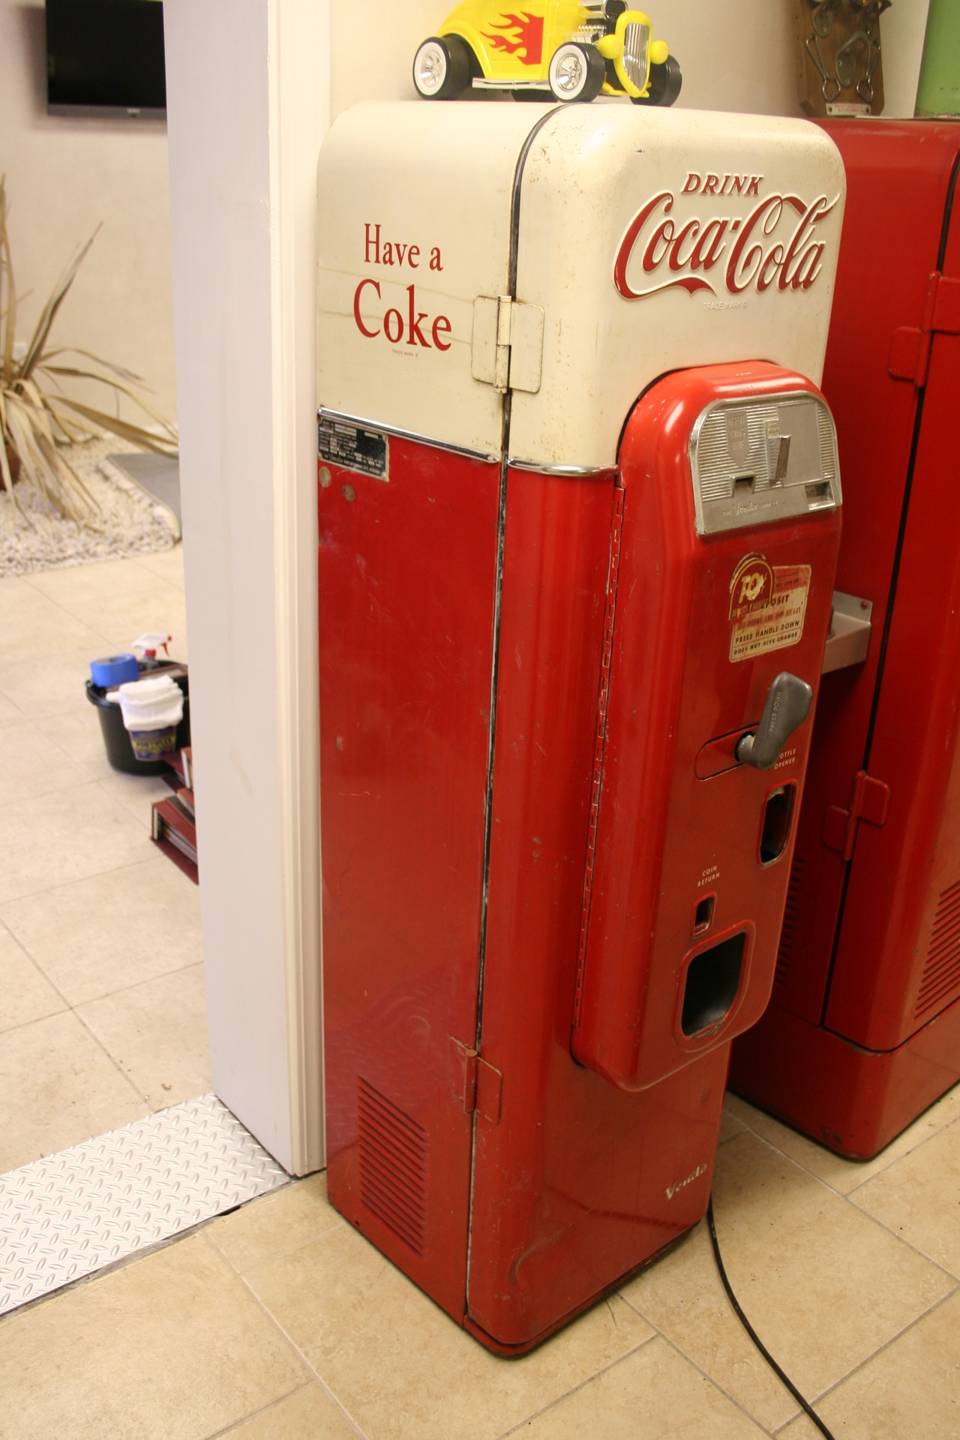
(703,915)
(712,982)
(777,817)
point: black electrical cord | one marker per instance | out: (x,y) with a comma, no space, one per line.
(780,1374)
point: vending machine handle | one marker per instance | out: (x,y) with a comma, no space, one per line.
(787,706)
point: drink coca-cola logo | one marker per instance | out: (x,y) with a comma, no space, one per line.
(774,245)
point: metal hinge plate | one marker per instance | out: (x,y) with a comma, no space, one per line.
(477,1085)
(910,345)
(869,806)
(507,344)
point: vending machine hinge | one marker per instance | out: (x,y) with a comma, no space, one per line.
(507,343)
(869,806)
(478,1085)
(910,344)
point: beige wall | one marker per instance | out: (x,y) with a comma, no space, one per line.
(735,54)
(65,175)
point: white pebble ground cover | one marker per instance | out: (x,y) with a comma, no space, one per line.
(129,521)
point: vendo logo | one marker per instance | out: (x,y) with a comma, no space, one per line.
(775,245)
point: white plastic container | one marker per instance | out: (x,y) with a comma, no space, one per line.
(152,709)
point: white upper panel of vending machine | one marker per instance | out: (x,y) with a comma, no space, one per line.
(631,241)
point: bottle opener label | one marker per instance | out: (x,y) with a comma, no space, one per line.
(768,605)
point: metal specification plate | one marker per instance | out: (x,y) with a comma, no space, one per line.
(353,447)
(73,1213)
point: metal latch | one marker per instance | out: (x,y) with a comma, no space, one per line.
(849,637)
(910,345)
(507,344)
(868,805)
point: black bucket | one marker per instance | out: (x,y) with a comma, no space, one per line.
(115,737)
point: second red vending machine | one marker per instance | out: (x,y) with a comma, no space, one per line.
(578,522)
(863,1032)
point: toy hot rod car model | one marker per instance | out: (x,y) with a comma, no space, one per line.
(559,49)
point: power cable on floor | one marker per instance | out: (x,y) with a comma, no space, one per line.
(738,1311)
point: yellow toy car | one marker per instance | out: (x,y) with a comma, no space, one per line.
(555,49)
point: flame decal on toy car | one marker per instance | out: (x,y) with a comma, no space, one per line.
(528,30)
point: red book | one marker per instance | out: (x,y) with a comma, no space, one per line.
(174,832)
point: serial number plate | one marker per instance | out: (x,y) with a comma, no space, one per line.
(352,447)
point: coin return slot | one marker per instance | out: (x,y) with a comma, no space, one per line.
(703,915)
(818,492)
(743,484)
(777,815)
(713,979)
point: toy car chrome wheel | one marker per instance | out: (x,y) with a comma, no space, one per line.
(441,67)
(576,72)
(666,82)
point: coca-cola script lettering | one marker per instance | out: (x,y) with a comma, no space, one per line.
(774,246)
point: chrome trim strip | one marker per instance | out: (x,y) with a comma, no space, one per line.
(366,424)
(516,464)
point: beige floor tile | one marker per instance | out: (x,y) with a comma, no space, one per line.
(730,1123)
(911,1389)
(73,586)
(65,836)
(32,625)
(401,1367)
(33,764)
(307,1414)
(58,1088)
(171,1347)
(683,1297)
(121,618)
(136,793)
(25,994)
(845,1175)
(157,1033)
(77,733)
(275,1225)
(918,1198)
(51,683)
(108,932)
(823,1284)
(173,619)
(654,1394)
(9,713)
(167,564)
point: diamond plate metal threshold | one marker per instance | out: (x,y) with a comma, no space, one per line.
(71,1214)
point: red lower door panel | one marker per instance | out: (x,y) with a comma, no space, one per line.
(405,662)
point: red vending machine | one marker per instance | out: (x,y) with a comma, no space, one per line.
(578,523)
(863,1032)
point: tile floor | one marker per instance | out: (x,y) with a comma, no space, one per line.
(279,1322)
(102,1014)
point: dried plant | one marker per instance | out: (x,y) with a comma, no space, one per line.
(37,417)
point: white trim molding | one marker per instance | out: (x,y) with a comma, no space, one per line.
(248,103)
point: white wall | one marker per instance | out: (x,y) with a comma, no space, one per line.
(63,176)
(735,54)
(247,105)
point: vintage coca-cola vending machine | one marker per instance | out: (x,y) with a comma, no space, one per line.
(863,1032)
(578,521)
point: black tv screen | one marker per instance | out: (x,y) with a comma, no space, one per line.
(105,57)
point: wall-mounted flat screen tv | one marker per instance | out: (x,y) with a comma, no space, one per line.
(105,57)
